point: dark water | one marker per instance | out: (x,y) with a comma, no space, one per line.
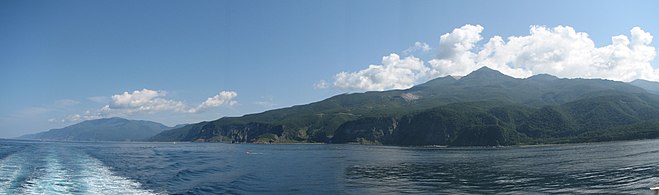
(31,167)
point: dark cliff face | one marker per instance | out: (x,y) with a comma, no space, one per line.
(475,124)
(440,126)
(367,130)
(236,133)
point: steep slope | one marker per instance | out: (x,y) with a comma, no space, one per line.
(107,129)
(444,111)
(601,118)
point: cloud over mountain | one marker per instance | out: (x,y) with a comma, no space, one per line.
(393,73)
(223,98)
(145,100)
(560,51)
(148,101)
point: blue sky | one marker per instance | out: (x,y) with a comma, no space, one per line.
(189,61)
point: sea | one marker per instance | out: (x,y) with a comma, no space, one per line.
(44,167)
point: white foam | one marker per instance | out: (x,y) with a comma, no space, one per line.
(99,179)
(53,179)
(10,168)
(56,177)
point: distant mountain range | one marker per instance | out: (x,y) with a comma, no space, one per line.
(484,108)
(650,86)
(107,129)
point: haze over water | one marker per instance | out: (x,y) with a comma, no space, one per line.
(28,167)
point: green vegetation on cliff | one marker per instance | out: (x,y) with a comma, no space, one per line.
(484,108)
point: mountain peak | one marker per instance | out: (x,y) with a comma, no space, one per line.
(114,119)
(543,77)
(484,73)
(108,121)
(485,69)
(104,129)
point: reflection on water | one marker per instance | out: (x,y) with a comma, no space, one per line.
(616,167)
(209,168)
(477,178)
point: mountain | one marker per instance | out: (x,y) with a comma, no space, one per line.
(650,86)
(484,108)
(106,129)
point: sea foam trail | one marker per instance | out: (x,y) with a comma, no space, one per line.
(61,171)
(99,179)
(52,178)
(10,168)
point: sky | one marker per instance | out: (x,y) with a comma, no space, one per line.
(178,62)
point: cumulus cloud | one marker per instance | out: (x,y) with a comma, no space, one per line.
(322,84)
(417,47)
(148,101)
(145,100)
(560,51)
(89,115)
(454,52)
(223,98)
(393,73)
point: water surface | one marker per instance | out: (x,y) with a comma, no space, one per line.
(34,167)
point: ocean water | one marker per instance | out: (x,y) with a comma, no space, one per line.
(34,167)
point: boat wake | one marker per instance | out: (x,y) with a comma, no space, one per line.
(38,170)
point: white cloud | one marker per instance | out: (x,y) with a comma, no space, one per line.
(144,100)
(223,98)
(72,118)
(393,73)
(148,101)
(560,51)
(322,84)
(418,46)
(89,115)
(454,53)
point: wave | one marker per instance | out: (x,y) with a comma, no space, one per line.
(61,171)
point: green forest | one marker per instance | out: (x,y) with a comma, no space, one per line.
(484,108)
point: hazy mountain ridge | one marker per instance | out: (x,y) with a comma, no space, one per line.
(485,107)
(650,86)
(106,129)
